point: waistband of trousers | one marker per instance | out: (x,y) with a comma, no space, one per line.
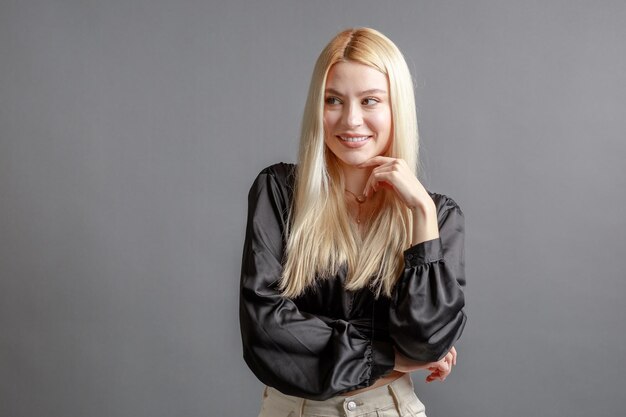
(395,393)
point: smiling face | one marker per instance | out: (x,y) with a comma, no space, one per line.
(357,113)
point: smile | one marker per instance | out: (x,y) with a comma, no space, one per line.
(354,139)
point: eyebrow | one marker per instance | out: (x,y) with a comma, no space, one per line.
(362,93)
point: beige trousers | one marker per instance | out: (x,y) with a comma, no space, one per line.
(396,399)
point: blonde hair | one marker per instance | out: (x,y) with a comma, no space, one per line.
(321,237)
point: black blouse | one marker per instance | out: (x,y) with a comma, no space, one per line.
(330,340)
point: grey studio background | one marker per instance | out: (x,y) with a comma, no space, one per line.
(131,131)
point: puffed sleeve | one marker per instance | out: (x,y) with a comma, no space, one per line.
(426,312)
(295,352)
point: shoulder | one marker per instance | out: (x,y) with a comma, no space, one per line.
(282,171)
(444,203)
(275,182)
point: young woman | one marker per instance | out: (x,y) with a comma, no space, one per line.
(352,271)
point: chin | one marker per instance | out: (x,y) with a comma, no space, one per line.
(352,161)
(351,157)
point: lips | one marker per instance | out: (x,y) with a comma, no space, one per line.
(354,141)
(353,138)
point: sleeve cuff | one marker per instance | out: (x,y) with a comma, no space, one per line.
(423,253)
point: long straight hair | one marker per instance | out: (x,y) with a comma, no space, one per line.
(321,237)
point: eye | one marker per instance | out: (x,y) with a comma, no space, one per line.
(332,100)
(370,101)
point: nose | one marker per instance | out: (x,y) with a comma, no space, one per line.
(353,115)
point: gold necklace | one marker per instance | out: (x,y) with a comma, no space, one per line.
(359,199)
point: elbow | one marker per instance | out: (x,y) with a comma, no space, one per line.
(422,347)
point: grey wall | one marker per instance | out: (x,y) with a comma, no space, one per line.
(130,132)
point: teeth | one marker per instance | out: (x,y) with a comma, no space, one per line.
(355,139)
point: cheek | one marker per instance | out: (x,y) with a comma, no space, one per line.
(330,123)
(329,119)
(327,129)
(381,121)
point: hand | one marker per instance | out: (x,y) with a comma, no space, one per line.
(442,368)
(438,370)
(395,173)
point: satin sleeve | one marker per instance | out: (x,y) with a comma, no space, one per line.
(426,311)
(295,352)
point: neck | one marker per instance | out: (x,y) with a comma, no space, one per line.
(355,178)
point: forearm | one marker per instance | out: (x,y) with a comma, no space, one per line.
(404,364)
(424,223)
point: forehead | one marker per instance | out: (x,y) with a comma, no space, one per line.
(354,76)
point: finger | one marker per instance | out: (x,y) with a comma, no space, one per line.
(386,167)
(392,177)
(440,369)
(433,377)
(369,185)
(377,160)
(381,169)
(365,191)
(377,178)
(390,169)
(448,370)
(454,353)
(384,175)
